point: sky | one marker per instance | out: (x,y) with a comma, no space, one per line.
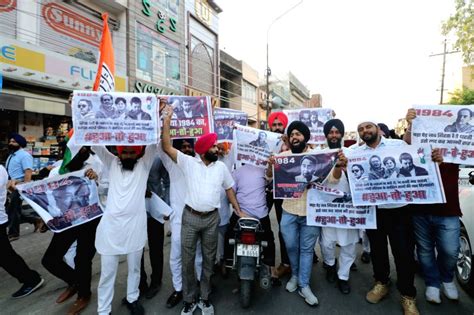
(368,59)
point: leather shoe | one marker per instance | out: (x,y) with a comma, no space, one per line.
(282,270)
(152,290)
(80,304)
(39,224)
(69,292)
(174,299)
(135,307)
(365,257)
(343,286)
(331,273)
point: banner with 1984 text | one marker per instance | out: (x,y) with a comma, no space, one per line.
(255,146)
(314,118)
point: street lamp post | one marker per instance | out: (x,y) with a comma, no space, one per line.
(267,70)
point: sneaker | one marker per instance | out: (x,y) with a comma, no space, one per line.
(365,257)
(174,299)
(450,291)
(432,295)
(308,296)
(27,289)
(409,306)
(292,284)
(188,308)
(206,307)
(135,307)
(377,293)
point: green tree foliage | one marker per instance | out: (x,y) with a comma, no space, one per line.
(462,97)
(462,24)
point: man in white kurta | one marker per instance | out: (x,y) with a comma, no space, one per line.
(346,238)
(122,229)
(177,196)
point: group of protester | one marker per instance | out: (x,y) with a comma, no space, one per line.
(199,180)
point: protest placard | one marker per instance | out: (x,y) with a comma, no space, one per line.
(191,116)
(394,175)
(293,173)
(224,121)
(314,118)
(328,207)
(157,208)
(254,146)
(114,118)
(447,127)
(63,201)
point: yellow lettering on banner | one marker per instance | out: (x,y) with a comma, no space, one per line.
(25,58)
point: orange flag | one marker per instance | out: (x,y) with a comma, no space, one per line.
(105,78)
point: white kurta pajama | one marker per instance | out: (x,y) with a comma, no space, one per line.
(346,238)
(122,229)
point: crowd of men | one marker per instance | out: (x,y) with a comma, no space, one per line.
(199,180)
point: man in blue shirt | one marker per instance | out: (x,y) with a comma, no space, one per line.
(20,169)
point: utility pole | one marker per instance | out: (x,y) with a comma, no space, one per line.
(443,71)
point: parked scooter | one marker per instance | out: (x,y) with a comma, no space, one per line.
(248,252)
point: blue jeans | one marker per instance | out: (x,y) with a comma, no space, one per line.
(440,233)
(299,240)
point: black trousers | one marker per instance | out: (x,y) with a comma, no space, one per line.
(53,260)
(156,235)
(16,215)
(396,225)
(268,252)
(13,263)
(279,210)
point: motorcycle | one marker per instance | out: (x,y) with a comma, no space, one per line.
(248,252)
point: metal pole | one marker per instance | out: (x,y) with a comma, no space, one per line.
(443,73)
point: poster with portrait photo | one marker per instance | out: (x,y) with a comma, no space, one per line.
(63,201)
(255,146)
(447,127)
(314,118)
(294,173)
(394,175)
(328,207)
(224,121)
(192,116)
(114,118)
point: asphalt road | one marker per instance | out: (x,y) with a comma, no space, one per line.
(31,246)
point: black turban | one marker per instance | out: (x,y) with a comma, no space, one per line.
(385,129)
(18,138)
(301,127)
(336,123)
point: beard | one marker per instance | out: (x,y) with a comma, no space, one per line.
(370,139)
(297,148)
(335,145)
(13,148)
(128,164)
(278,131)
(211,157)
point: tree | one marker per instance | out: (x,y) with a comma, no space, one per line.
(462,97)
(462,24)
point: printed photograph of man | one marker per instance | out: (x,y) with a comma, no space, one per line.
(377,171)
(359,172)
(261,141)
(307,170)
(408,169)
(85,109)
(73,196)
(136,112)
(189,109)
(121,108)
(462,123)
(305,117)
(224,132)
(315,122)
(107,109)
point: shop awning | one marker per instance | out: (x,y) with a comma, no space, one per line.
(25,101)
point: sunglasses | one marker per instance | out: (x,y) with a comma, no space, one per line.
(82,105)
(355,171)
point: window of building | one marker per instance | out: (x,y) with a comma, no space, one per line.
(249,92)
(157,58)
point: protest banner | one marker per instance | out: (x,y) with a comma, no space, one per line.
(314,118)
(328,207)
(293,173)
(63,201)
(224,121)
(254,146)
(447,127)
(394,175)
(191,116)
(114,118)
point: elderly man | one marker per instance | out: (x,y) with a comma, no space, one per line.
(394,221)
(346,238)
(278,122)
(107,109)
(122,229)
(462,123)
(19,167)
(204,178)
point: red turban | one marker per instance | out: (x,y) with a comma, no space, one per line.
(205,142)
(137,148)
(280,116)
